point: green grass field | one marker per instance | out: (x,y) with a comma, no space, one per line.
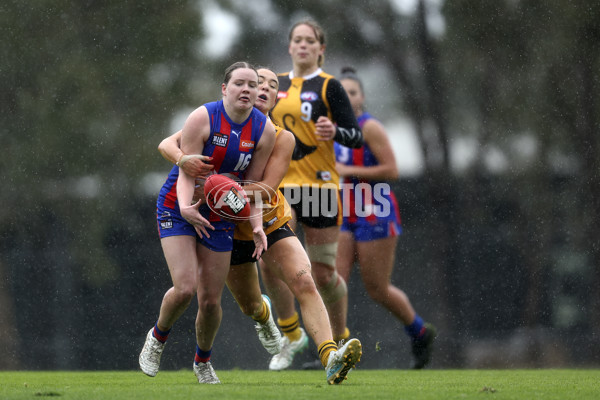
(361,384)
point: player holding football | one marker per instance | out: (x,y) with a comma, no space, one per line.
(285,256)
(196,243)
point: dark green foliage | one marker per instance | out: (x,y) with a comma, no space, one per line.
(82,85)
(89,89)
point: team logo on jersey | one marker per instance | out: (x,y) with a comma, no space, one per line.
(246,144)
(309,96)
(324,175)
(220,139)
(282,95)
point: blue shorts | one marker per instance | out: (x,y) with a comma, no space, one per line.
(171,223)
(379,228)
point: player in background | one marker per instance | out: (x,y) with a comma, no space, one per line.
(371,225)
(315,108)
(228,131)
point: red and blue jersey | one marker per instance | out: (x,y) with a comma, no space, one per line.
(374,195)
(231,146)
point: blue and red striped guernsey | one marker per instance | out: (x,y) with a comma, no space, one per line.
(362,157)
(230,145)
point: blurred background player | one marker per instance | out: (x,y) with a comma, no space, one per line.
(368,238)
(315,108)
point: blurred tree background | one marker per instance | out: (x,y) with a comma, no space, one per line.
(500,247)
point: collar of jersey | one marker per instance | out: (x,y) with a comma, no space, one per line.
(317,72)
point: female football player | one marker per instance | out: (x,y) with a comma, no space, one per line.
(370,229)
(196,243)
(315,108)
(285,257)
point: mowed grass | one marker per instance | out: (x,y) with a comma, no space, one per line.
(361,384)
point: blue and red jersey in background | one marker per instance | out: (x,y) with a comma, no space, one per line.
(367,226)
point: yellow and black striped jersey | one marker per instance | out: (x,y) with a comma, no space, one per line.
(300,102)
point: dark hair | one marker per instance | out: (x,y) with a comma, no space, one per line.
(234,66)
(265,67)
(350,73)
(319,33)
(268,69)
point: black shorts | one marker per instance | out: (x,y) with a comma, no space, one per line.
(314,206)
(243,249)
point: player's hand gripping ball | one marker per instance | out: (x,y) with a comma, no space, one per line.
(226,198)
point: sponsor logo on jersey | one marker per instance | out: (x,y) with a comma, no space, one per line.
(220,139)
(166,222)
(282,95)
(309,96)
(236,133)
(246,144)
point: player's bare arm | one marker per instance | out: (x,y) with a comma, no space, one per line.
(194,134)
(196,165)
(254,172)
(277,167)
(378,141)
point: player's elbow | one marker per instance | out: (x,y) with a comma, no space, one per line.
(162,146)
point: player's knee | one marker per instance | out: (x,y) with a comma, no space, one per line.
(378,293)
(182,295)
(333,290)
(304,287)
(322,253)
(209,307)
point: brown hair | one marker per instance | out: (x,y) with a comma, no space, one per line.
(234,66)
(350,73)
(319,34)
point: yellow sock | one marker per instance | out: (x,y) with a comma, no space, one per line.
(343,336)
(324,349)
(290,327)
(264,315)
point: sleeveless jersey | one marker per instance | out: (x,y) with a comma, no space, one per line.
(230,144)
(300,102)
(276,213)
(369,198)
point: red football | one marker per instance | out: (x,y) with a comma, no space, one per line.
(226,198)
